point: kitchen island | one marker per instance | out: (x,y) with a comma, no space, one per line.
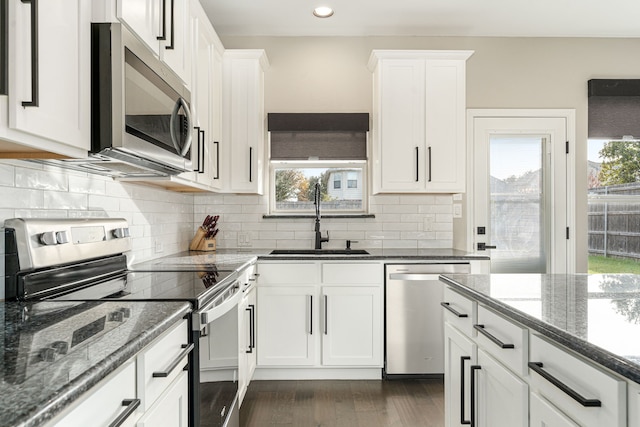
(566,339)
(55,352)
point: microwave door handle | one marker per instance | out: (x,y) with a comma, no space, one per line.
(180,103)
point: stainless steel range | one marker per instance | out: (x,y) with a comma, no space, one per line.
(80,260)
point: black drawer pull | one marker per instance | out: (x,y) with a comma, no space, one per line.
(172,365)
(35,57)
(472,403)
(587,403)
(462,360)
(455,312)
(131,405)
(496,341)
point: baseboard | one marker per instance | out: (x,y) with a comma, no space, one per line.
(317,374)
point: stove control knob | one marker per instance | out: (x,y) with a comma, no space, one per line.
(48,238)
(47,354)
(120,233)
(62,237)
(60,347)
(116,316)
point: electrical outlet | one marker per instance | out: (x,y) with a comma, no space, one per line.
(158,247)
(457,210)
(244,239)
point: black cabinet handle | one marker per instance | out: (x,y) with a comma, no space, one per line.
(197,169)
(496,341)
(217,144)
(131,406)
(537,367)
(163,35)
(173,21)
(35,66)
(201,153)
(462,360)
(455,312)
(250,163)
(250,310)
(429,162)
(310,314)
(472,401)
(484,246)
(326,300)
(417,164)
(163,374)
(252,325)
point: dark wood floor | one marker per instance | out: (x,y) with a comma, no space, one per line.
(394,403)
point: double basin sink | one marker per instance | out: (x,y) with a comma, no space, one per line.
(319,252)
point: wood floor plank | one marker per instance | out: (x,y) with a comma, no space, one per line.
(344,403)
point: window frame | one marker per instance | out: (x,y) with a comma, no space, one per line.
(325,164)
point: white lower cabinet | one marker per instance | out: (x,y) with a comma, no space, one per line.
(331,318)
(172,407)
(543,414)
(150,389)
(287,326)
(246,341)
(502,397)
(459,355)
(104,403)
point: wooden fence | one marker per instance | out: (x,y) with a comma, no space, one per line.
(614,227)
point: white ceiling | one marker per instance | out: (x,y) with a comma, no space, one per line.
(508,18)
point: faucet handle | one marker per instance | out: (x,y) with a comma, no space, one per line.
(349,242)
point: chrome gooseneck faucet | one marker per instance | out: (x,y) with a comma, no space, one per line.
(316,201)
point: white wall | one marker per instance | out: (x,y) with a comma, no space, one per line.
(316,74)
(161,222)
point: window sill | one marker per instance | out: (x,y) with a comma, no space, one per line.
(292,216)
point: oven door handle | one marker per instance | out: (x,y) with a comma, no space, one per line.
(184,353)
(212,312)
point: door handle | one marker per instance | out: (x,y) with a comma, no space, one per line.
(163,36)
(131,405)
(429,162)
(35,80)
(462,360)
(538,368)
(417,164)
(173,12)
(201,152)
(472,401)
(484,246)
(197,128)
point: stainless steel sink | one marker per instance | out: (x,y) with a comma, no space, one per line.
(319,252)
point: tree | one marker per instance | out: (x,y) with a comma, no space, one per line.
(323,179)
(290,183)
(621,162)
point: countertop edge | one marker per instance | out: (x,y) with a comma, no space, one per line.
(76,388)
(614,362)
(371,257)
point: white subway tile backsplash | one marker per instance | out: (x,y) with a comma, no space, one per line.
(64,200)
(41,179)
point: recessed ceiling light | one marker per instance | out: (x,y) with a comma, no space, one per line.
(323,12)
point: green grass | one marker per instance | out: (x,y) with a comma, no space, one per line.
(602,265)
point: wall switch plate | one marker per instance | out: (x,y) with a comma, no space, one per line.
(244,239)
(159,248)
(457,196)
(457,210)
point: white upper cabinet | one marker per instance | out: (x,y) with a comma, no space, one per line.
(163,25)
(48,103)
(244,124)
(418,117)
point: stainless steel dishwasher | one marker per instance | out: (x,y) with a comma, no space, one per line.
(414,336)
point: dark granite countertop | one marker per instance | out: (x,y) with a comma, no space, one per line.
(227,256)
(36,383)
(598,316)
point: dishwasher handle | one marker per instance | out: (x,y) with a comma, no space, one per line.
(413,276)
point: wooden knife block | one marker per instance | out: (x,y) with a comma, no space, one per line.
(200,243)
(207,245)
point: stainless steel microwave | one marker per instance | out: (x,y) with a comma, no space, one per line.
(140,109)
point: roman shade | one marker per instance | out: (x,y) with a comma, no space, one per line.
(318,136)
(614,108)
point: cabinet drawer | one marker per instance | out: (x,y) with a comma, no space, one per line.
(104,402)
(288,274)
(588,383)
(505,340)
(351,274)
(459,311)
(156,364)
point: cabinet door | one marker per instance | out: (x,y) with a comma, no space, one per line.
(501,395)
(401,129)
(351,326)
(288,326)
(460,354)
(244,119)
(246,342)
(144,18)
(175,50)
(60,77)
(172,408)
(544,414)
(445,126)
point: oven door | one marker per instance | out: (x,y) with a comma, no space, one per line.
(219,360)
